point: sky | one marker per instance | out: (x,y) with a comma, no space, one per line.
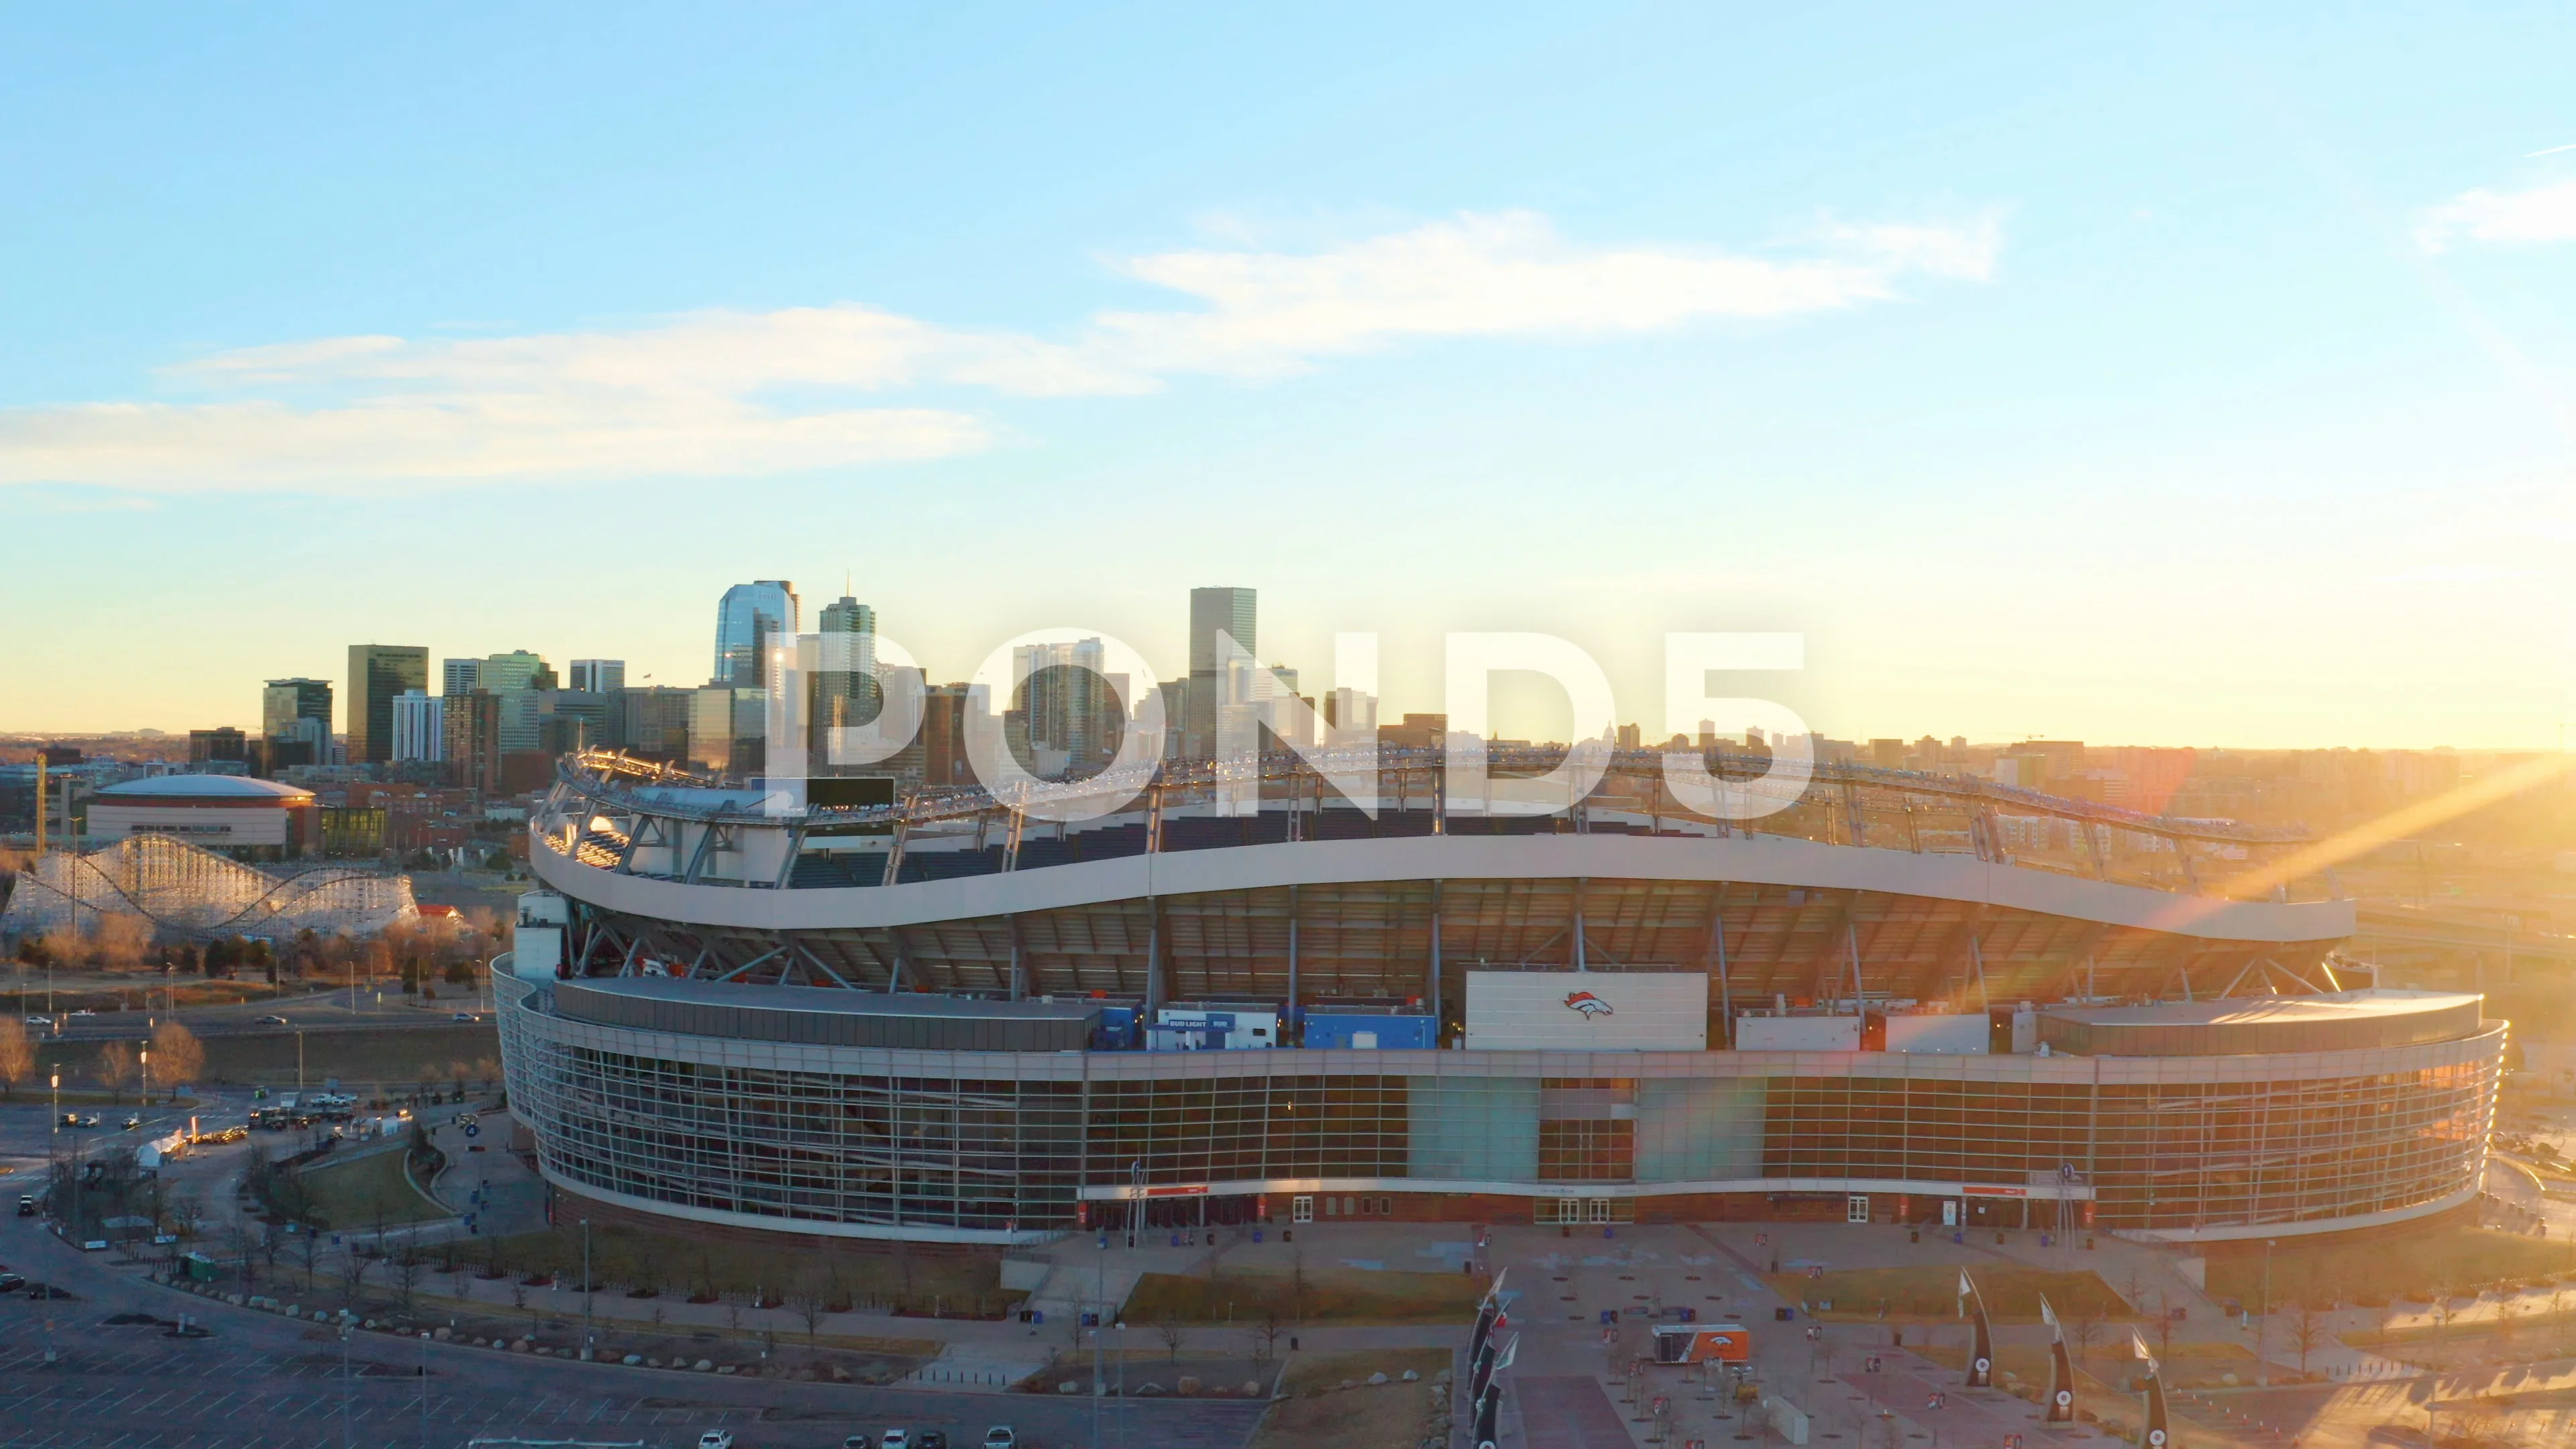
(2195,377)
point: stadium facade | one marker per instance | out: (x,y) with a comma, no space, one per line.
(1904,998)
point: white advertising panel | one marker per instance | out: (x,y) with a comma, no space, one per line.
(1797,1033)
(1587,1011)
(1956,1035)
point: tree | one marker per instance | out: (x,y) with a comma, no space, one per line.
(809,1298)
(115,1065)
(406,1270)
(352,1268)
(2307,1331)
(1266,1332)
(177,1055)
(17,1055)
(1173,1332)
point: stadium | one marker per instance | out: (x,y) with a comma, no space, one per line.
(1903,998)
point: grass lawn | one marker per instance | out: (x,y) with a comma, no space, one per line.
(2012,1294)
(353,1194)
(925,1281)
(2411,1265)
(1317,1415)
(1339,1295)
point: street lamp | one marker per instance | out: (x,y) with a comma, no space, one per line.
(143,1060)
(58,1104)
(2263,1334)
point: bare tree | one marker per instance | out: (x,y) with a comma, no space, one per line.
(406,1270)
(460,1279)
(1173,1332)
(17,1055)
(1266,1332)
(733,1314)
(115,1065)
(809,1300)
(2086,1332)
(2307,1331)
(177,1055)
(240,1243)
(352,1268)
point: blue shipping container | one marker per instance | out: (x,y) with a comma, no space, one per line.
(1385,1031)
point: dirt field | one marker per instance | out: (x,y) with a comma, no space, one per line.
(1318,1414)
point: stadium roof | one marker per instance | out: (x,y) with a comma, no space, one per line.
(207,789)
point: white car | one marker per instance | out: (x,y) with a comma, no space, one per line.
(84,1011)
(716,1439)
(1001,1437)
(896,1439)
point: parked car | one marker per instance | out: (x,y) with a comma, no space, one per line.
(896,1439)
(1001,1437)
(465,1016)
(84,1011)
(716,1439)
(930,1439)
(11,1282)
(40,1021)
(272,1019)
(26,1204)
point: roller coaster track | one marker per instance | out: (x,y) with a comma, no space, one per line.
(187,891)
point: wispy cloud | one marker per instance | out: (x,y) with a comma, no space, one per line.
(708,394)
(2541,214)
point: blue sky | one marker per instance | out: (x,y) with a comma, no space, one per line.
(2186,378)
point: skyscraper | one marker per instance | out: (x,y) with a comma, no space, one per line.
(1212,611)
(748,618)
(460,676)
(286,701)
(599,676)
(420,727)
(845,690)
(377,673)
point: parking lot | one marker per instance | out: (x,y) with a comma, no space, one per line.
(260,1380)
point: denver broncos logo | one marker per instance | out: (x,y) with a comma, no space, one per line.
(1587,1003)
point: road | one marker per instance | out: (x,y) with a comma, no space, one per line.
(377,1010)
(261,1380)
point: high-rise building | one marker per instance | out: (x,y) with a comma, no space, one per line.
(472,722)
(377,673)
(521,681)
(1213,611)
(217,746)
(845,690)
(518,669)
(748,618)
(420,727)
(598,676)
(295,724)
(1069,706)
(460,676)
(653,721)
(285,701)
